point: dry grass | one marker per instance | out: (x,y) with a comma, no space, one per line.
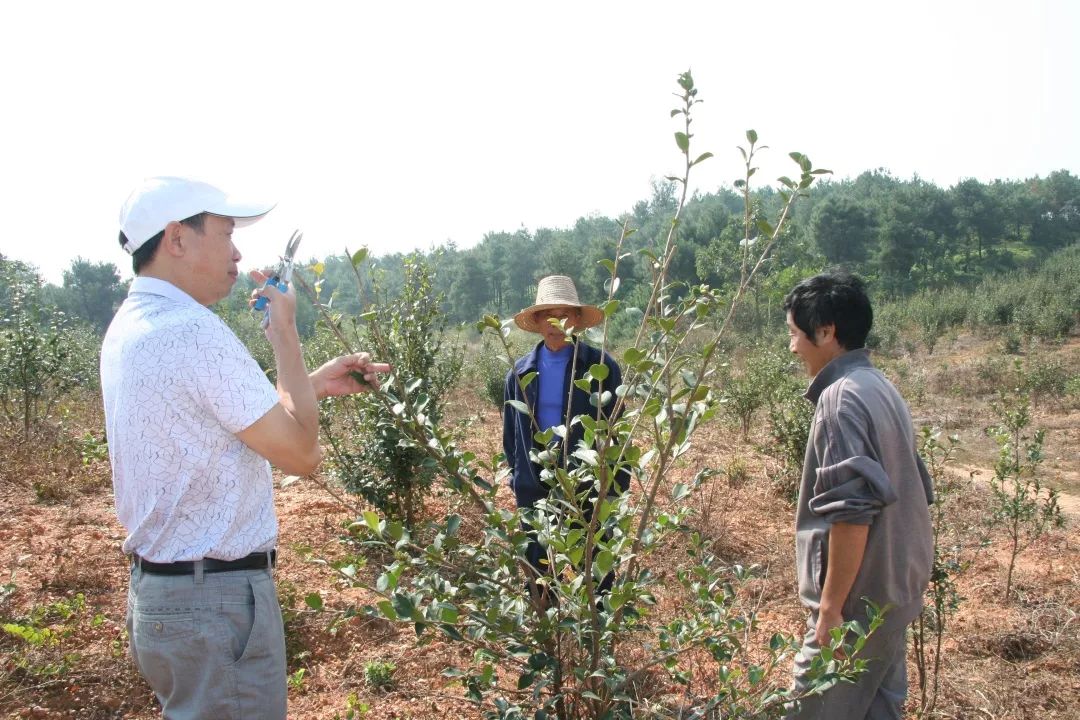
(1003,661)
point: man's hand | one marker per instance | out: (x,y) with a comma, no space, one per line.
(847,545)
(827,620)
(281,306)
(339,376)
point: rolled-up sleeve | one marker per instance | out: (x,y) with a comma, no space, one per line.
(851,485)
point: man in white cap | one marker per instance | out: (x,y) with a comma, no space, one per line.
(193,425)
(557,364)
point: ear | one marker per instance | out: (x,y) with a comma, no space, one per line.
(824,334)
(174,242)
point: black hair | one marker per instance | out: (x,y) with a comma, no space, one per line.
(145,253)
(837,298)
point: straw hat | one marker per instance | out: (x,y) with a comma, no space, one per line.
(557,291)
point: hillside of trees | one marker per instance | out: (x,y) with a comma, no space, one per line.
(702,542)
(905,236)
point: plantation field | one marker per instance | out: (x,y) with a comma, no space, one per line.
(65,577)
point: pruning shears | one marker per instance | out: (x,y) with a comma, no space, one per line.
(282,275)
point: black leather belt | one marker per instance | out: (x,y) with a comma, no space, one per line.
(254,561)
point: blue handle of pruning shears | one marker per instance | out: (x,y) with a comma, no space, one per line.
(280,279)
(275,281)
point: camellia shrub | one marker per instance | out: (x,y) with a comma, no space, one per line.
(555,645)
(366,449)
(42,356)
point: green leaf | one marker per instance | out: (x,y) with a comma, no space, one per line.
(582,385)
(683,141)
(751,135)
(314,601)
(448,613)
(359,257)
(387,610)
(519,406)
(587,455)
(609,307)
(403,605)
(599,371)
(702,156)
(371,519)
(527,378)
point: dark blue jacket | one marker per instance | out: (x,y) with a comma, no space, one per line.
(518,429)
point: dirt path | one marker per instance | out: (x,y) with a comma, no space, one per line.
(1069,503)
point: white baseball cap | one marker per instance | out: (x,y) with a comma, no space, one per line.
(161,200)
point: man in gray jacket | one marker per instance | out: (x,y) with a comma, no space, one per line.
(863,524)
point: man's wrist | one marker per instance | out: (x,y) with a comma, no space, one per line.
(318,384)
(286,339)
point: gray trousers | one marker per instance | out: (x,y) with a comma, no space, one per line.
(211,645)
(878,694)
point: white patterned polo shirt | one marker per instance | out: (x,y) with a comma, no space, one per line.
(178,385)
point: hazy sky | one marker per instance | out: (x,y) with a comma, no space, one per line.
(402,125)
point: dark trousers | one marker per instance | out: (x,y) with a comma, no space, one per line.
(536,553)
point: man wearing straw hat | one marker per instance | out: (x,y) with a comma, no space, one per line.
(552,397)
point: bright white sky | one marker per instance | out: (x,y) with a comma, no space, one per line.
(404,124)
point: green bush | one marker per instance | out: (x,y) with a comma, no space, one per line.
(1044,303)
(551,645)
(762,374)
(366,452)
(889,322)
(790,416)
(1019,503)
(47,639)
(936,311)
(379,675)
(487,369)
(42,355)
(1011,340)
(1043,377)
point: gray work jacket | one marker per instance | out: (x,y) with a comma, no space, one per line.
(862,468)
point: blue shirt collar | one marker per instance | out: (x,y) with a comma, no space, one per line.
(557,355)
